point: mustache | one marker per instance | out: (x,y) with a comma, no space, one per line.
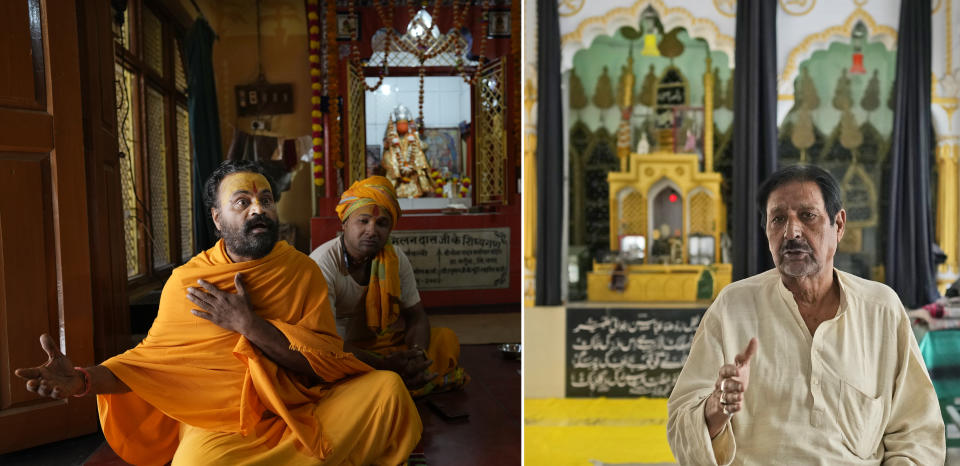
(795,245)
(259,221)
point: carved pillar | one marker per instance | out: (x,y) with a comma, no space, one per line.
(530,193)
(948,198)
(708,80)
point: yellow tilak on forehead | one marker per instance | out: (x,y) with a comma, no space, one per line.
(254,183)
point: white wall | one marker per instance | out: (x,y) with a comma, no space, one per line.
(446,102)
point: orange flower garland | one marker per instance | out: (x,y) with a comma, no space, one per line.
(316,114)
(438,181)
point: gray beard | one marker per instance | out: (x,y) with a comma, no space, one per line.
(799,269)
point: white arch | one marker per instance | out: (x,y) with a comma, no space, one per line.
(610,22)
(821,41)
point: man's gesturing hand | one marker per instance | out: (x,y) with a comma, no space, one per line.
(57,378)
(231,311)
(728,392)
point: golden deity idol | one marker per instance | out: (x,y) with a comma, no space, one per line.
(403,156)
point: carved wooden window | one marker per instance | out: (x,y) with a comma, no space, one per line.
(154,140)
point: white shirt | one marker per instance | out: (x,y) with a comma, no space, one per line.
(857,392)
(347,297)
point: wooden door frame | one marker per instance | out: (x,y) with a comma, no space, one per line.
(39,421)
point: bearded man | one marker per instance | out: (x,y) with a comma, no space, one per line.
(804,363)
(243,364)
(374,293)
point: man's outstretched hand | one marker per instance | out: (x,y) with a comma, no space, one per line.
(730,389)
(55,379)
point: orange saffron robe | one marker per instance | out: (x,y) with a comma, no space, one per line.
(189,370)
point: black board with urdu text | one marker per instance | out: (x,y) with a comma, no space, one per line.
(623,352)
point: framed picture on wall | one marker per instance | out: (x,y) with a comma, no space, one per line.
(443,150)
(348,26)
(499,23)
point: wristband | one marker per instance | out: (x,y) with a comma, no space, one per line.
(86,382)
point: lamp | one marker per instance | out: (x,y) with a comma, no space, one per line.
(648,24)
(421,25)
(858,38)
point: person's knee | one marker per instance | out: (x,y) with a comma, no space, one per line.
(443,336)
(389,381)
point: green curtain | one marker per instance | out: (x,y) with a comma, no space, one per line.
(204,124)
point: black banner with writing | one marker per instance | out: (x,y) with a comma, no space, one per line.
(620,352)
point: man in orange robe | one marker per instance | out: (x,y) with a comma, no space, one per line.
(243,364)
(374,294)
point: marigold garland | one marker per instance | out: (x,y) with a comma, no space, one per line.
(438,181)
(316,114)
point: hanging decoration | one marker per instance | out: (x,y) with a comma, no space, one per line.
(648,23)
(316,114)
(333,101)
(484,19)
(858,38)
(424,41)
(387,21)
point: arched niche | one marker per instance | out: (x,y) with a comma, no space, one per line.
(671,18)
(822,40)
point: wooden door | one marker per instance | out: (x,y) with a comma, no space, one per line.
(111,312)
(45,274)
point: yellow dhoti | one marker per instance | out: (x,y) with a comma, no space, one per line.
(368,414)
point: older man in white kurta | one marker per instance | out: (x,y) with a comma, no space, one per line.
(805,364)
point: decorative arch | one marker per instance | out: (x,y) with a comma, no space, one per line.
(609,23)
(655,188)
(821,41)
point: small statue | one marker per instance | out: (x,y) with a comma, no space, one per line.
(403,156)
(676,250)
(691,143)
(643,147)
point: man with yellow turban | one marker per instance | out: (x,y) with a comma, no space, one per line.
(243,364)
(374,294)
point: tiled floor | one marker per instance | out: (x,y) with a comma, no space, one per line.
(491,435)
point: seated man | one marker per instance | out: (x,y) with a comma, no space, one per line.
(374,293)
(804,363)
(242,364)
